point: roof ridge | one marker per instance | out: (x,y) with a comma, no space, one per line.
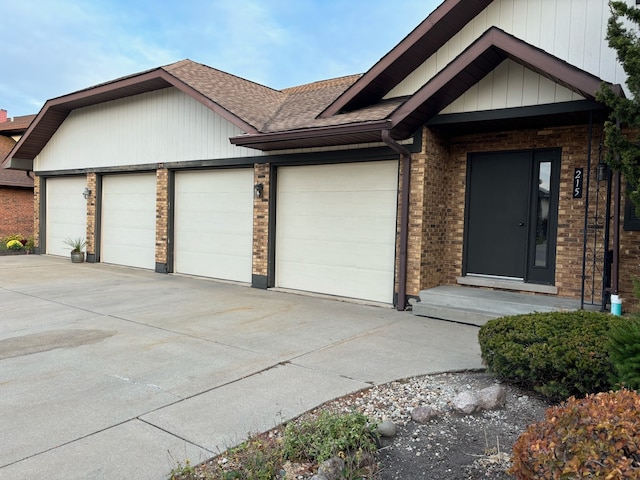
(185,62)
(329,81)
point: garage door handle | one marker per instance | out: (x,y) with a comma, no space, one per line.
(521,224)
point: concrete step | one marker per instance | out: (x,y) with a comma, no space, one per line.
(476,306)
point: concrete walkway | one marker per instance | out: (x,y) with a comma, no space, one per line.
(115,373)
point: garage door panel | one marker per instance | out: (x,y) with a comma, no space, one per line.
(374,204)
(357,230)
(214,207)
(219,202)
(335,229)
(226,243)
(226,265)
(322,178)
(319,252)
(66,213)
(341,281)
(129,220)
(203,222)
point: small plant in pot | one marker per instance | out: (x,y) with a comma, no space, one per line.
(77,246)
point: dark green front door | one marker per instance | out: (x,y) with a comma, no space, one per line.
(511,215)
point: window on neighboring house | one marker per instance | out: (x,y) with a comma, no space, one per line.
(631,218)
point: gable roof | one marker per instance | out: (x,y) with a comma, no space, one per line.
(403,116)
(432,33)
(347,110)
(473,64)
(232,97)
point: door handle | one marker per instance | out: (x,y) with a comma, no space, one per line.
(521,224)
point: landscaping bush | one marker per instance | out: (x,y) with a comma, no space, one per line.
(557,354)
(595,437)
(624,351)
(329,435)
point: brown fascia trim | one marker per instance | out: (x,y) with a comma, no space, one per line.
(56,110)
(480,58)
(287,139)
(438,28)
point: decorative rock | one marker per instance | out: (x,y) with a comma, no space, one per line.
(423,414)
(387,429)
(492,398)
(465,402)
(332,468)
(319,477)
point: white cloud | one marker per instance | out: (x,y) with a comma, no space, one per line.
(60,46)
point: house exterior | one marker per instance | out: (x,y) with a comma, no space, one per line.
(16,187)
(467,155)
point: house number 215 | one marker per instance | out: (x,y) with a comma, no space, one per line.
(577,182)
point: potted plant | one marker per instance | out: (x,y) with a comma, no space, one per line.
(77,245)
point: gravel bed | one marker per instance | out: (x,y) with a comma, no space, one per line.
(451,446)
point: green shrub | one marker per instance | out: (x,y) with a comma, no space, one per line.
(624,351)
(557,354)
(329,435)
(595,437)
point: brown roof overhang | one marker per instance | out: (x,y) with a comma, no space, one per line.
(55,111)
(438,28)
(16,126)
(480,58)
(355,133)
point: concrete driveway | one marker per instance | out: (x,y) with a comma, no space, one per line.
(109,372)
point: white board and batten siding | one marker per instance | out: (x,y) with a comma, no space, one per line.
(128,221)
(336,229)
(213,223)
(572,30)
(66,213)
(155,127)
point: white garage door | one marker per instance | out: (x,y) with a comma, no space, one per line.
(213,223)
(66,213)
(335,229)
(129,220)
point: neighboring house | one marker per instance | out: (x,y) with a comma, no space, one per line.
(466,155)
(16,187)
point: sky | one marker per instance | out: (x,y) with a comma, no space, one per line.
(54,47)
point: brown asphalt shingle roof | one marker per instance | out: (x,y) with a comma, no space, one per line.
(252,102)
(303,104)
(11,178)
(17,125)
(269,110)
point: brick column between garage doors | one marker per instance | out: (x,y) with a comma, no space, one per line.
(91,217)
(162,219)
(261,225)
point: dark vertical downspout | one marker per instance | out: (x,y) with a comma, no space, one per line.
(404,216)
(616,234)
(616,230)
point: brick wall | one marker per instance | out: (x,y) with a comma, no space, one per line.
(261,220)
(162,215)
(36,212)
(426,215)
(16,212)
(91,214)
(444,200)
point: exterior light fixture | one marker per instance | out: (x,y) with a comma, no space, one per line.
(258,190)
(602,171)
(86,193)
